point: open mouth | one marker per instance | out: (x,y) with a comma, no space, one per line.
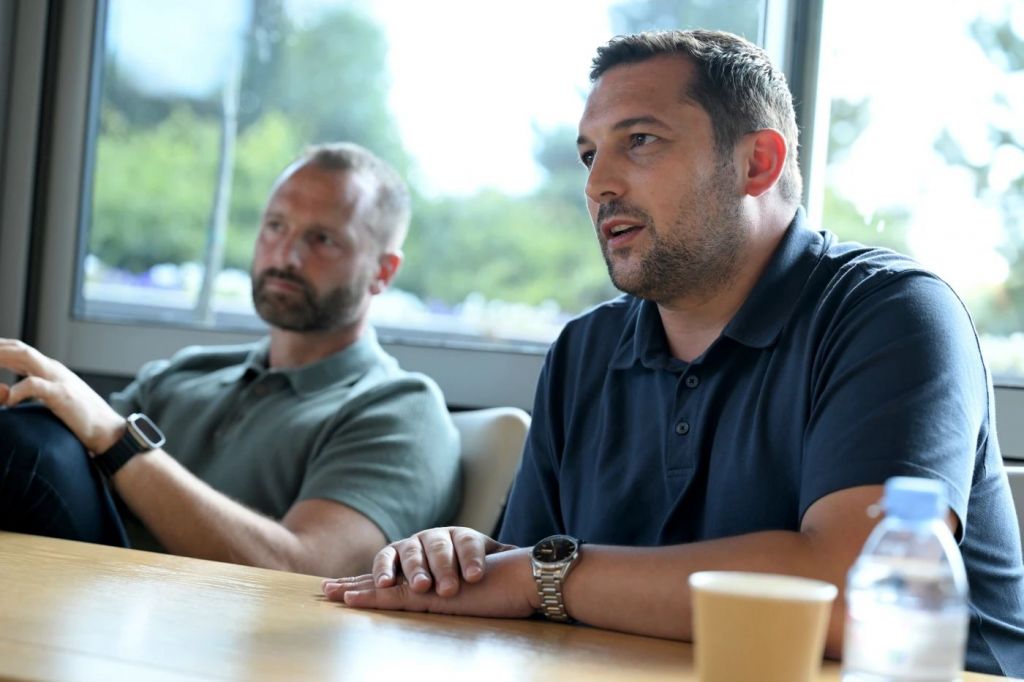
(620,230)
(620,233)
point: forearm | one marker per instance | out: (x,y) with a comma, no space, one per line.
(190,518)
(640,590)
(645,590)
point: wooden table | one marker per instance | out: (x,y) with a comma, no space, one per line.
(74,611)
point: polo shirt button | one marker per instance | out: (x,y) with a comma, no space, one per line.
(692,381)
(682,428)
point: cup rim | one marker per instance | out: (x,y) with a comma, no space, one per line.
(776,586)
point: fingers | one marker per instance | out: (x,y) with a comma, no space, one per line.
(450,554)
(508,592)
(366,596)
(397,598)
(22,358)
(439,547)
(384,567)
(440,558)
(40,373)
(335,588)
(27,389)
(362,592)
(422,559)
(85,412)
(408,556)
(471,547)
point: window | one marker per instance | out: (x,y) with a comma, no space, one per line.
(202,104)
(926,148)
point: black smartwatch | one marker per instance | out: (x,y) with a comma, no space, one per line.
(140,435)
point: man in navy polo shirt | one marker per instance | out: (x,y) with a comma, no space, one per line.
(742,404)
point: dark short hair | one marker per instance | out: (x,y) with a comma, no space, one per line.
(392,210)
(736,85)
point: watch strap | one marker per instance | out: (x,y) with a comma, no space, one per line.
(116,457)
(552,601)
(140,435)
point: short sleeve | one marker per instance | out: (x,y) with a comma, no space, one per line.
(899,388)
(393,456)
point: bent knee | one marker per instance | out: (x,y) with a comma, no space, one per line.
(31,435)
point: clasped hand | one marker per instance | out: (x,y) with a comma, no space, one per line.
(95,423)
(444,570)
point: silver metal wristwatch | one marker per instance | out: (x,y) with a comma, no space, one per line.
(553,558)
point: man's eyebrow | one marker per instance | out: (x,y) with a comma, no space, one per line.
(629,123)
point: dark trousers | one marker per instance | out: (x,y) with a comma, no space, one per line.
(48,485)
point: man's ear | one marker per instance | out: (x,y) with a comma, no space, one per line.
(387,267)
(764,153)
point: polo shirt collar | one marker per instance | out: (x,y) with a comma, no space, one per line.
(757,323)
(342,368)
(643,338)
(771,302)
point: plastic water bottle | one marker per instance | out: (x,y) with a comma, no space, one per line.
(906,595)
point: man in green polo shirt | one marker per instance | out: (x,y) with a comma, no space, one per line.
(312,438)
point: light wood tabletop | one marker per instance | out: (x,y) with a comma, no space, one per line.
(73,611)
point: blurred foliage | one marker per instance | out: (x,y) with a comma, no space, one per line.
(1002,312)
(153,188)
(741,17)
(524,249)
(157,160)
(886,228)
(847,121)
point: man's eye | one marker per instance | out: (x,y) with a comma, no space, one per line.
(641,139)
(587,159)
(322,239)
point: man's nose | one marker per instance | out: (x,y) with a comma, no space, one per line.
(604,182)
(291,249)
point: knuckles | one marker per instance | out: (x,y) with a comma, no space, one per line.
(438,546)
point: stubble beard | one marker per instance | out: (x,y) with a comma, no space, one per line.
(696,258)
(339,308)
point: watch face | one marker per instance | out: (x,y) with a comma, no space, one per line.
(146,430)
(555,548)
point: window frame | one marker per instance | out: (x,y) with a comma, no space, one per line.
(22,29)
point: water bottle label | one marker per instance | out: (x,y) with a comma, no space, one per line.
(906,645)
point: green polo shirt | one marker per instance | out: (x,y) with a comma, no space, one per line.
(353,428)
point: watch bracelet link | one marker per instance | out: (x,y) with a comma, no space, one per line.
(552,603)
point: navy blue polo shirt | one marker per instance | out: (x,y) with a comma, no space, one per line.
(846,365)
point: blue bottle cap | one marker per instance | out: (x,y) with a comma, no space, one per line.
(914,499)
